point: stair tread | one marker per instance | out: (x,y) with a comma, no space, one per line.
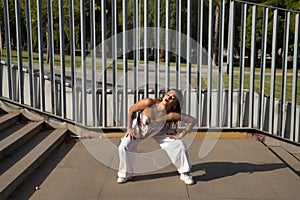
(2,111)
(8,120)
(297,155)
(13,173)
(8,116)
(11,129)
(293,162)
(24,149)
(17,135)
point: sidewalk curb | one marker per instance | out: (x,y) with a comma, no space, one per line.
(198,135)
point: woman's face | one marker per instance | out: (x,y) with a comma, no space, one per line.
(170,98)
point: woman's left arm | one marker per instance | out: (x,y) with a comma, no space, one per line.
(191,121)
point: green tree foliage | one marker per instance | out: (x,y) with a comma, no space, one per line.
(259,27)
(288,4)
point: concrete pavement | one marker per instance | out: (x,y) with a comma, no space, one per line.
(239,168)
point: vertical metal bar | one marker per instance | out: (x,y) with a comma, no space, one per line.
(146,60)
(41,56)
(263,68)
(178,42)
(62,59)
(1,71)
(93,60)
(231,61)
(83,62)
(199,60)
(284,71)
(115,57)
(157,41)
(51,57)
(29,49)
(135,50)
(73,62)
(210,61)
(188,53)
(19,50)
(167,54)
(295,80)
(297,133)
(140,17)
(220,63)
(125,63)
(252,66)
(104,72)
(8,50)
(242,64)
(273,71)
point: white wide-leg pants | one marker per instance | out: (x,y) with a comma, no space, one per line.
(175,148)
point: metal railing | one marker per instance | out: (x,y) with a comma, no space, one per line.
(226,57)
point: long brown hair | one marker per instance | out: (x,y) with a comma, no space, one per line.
(173,125)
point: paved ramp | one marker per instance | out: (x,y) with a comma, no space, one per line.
(233,169)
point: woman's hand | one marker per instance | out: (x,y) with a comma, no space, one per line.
(130,133)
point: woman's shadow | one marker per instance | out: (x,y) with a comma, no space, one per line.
(216,170)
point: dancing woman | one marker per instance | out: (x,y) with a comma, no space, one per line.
(153,120)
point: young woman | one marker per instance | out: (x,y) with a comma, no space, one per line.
(151,121)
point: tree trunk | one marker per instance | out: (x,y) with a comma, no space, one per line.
(1,40)
(216,35)
(48,48)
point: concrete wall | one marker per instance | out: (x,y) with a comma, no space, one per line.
(117,119)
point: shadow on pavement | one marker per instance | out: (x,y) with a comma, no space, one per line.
(154,176)
(215,170)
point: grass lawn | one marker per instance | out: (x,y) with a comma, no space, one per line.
(236,77)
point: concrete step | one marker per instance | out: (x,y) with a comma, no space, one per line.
(8,120)
(19,171)
(288,158)
(2,112)
(19,137)
(297,155)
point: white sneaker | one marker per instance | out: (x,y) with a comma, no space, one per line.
(187,179)
(123,180)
